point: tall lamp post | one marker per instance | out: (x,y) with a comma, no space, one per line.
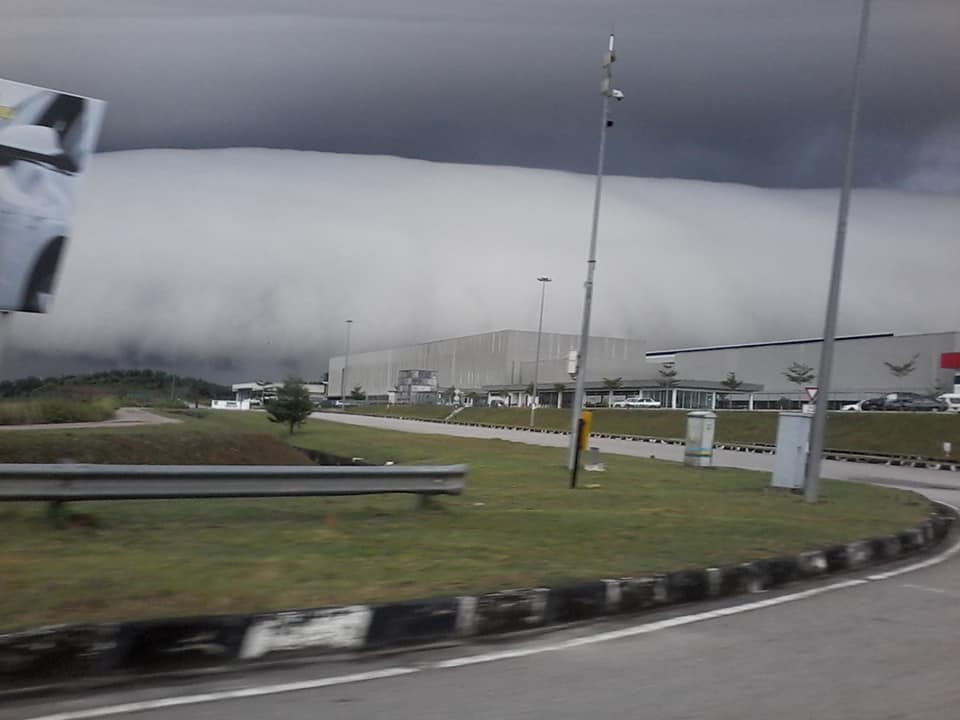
(346,366)
(607,91)
(543,280)
(818,429)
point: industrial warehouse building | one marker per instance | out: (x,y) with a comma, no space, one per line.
(500,366)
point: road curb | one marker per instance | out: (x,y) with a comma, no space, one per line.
(46,656)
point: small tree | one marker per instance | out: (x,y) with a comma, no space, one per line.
(668,376)
(292,405)
(904,369)
(799,374)
(357,393)
(612,384)
(731,383)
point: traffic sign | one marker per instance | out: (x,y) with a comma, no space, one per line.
(811,392)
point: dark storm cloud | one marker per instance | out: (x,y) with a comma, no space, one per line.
(748,91)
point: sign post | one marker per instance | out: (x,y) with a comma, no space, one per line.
(584,422)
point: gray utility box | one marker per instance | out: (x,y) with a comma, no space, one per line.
(793,447)
(699,448)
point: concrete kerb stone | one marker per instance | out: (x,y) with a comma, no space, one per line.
(33,657)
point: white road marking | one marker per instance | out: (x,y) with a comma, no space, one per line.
(926,588)
(643,629)
(228,694)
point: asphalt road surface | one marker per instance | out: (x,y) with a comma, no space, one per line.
(881,644)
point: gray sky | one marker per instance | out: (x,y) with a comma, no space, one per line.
(244,263)
(241,263)
(751,91)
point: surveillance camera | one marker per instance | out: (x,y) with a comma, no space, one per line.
(617,94)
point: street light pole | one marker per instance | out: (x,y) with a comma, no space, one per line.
(818,429)
(608,91)
(543,280)
(346,366)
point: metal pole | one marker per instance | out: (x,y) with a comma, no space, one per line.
(346,366)
(607,90)
(536,366)
(818,429)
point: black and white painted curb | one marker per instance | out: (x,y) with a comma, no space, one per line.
(913,461)
(54,654)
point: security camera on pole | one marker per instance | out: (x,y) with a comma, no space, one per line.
(607,91)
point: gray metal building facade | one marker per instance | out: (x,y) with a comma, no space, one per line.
(475,362)
(505,360)
(859,366)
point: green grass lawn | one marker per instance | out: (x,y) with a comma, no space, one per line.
(903,433)
(517,525)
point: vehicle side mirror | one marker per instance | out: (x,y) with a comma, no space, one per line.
(32,140)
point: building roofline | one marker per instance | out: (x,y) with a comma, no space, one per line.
(474,335)
(654,355)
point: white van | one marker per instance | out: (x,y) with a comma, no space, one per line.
(952,400)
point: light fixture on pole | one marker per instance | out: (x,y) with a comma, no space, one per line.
(543,280)
(346,366)
(607,91)
(819,426)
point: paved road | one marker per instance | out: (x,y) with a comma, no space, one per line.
(124,417)
(860,647)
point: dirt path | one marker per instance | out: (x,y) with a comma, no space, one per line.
(125,417)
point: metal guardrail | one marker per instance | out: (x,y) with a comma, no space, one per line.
(69,482)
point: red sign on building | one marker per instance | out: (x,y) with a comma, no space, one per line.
(950,361)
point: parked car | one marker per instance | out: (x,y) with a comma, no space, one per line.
(637,402)
(854,407)
(952,400)
(872,404)
(913,402)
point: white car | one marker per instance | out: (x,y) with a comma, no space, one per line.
(38,164)
(637,402)
(952,400)
(853,407)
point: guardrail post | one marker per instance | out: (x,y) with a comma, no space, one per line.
(423,501)
(57,512)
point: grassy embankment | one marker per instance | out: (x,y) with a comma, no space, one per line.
(898,433)
(32,412)
(518,525)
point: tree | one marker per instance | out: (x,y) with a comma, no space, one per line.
(799,374)
(668,376)
(612,384)
(731,383)
(357,393)
(292,405)
(902,370)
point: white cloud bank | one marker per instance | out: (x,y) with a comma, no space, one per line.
(260,255)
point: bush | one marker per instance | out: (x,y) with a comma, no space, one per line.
(37,412)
